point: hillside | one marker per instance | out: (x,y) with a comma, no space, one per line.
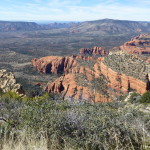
(57,25)
(44,123)
(6,26)
(103,26)
(109,26)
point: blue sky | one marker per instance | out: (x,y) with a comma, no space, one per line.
(74,10)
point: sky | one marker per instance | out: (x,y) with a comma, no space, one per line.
(74,10)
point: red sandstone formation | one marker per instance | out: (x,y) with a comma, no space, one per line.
(71,89)
(53,64)
(95,51)
(138,45)
(57,64)
(148,60)
(121,82)
(68,86)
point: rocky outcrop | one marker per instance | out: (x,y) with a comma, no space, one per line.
(8,83)
(81,88)
(148,60)
(57,64)
(126,72)
(95,51)
(128,64)
(68,86)
(53,64)
(99,79)
(138,45)
(122,82)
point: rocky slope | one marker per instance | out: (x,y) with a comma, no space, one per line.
(138,45)
(126,72)
(76,87)
(8,83)
(96,79)
(78,81)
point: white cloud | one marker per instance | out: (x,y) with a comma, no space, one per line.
(69,10)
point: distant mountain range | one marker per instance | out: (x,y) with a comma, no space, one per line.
(104,26)
(6,26)
(109,26)
(57,25)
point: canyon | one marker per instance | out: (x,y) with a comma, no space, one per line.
(100,77)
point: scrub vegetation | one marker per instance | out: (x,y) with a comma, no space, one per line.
(48,123)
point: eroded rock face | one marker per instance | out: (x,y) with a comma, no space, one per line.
(122,82)
(95,51)
(80,74)
(126,72)
(99,79)
(8,83)
(81,88)
(71,90)
(138,45)
(76,83)
(57,64)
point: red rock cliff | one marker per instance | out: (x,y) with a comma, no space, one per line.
(68,86)
(138,45)
(71,89)
(95,51)
(122,82)
(90,68)
(57,64)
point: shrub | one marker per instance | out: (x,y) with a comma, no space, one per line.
(134,97)
(1,91)
(11,95)
(71,125)
(145,98)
